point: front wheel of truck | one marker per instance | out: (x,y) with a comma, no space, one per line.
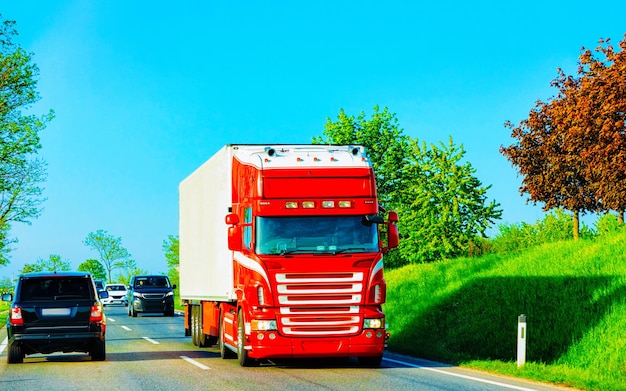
(242,353)
(225,352)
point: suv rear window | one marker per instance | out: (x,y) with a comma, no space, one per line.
(54,288)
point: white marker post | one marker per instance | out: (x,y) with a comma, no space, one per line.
(521,340)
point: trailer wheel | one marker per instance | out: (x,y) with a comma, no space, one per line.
(194,324)
(242,353)
(200,337)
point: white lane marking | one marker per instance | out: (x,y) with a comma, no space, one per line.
(110,319)
(194,362)
(126,328)
(4,344)
(151,340)
(477,379)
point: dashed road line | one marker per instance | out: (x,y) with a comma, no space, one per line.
(3,345)
(151,340)
(194,362)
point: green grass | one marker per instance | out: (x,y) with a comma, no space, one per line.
(464,311)
(4,312)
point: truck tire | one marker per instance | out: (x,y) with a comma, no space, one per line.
(242,353)
(225,352)
(15,355)
(194,325)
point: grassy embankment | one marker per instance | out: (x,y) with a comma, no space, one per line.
(4,312)
(465,312)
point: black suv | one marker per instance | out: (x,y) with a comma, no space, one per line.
(55,312)
(150,293)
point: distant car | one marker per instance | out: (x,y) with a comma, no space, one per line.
(99,285)
(150,294)
(117,294)
(55,312)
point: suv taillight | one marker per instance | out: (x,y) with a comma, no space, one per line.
(96,314)
(16,316)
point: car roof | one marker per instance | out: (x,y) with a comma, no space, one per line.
(56,274)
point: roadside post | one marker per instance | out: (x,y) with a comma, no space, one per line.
(521,340)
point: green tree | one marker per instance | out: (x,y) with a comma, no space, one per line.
(112,254)
(385,145)
(94,267)
(20,172)
(6,285)
(54,263)
(170,248)
(419,183)
(446,205)
(129,271)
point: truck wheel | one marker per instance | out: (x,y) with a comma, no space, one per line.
(201,338)
(225,353)
(15,355)
(242,353)
(194,325)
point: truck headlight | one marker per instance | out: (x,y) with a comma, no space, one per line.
(263,324)
(376,323)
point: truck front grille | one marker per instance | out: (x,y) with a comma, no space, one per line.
(319,304)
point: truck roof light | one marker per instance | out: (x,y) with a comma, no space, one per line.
(308,204)
(345,204)
(328,204)
(291,205)
(299,159)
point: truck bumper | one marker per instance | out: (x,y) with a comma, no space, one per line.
(269,344)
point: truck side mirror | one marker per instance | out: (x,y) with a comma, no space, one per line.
(234,238)
(232,219)
(234,232)
(393,237)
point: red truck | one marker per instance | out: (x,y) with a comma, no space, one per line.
(281,253)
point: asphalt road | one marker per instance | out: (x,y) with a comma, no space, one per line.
(151,353)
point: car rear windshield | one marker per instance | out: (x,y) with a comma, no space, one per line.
(54,288)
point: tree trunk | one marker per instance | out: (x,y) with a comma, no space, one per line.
(576,222)
(620,216)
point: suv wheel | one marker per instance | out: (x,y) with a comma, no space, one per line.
(15,355)
(98,351)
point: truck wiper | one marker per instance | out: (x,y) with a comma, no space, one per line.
(343,250)
(295,251)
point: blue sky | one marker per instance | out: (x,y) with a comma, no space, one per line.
(146,91)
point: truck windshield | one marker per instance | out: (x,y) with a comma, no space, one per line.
(315,234)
